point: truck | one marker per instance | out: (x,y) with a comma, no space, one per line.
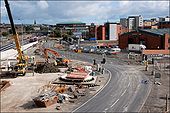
(136,47)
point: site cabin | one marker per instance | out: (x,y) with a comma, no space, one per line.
(136,48)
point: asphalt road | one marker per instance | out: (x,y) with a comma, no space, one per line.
(12,45)
(124,92)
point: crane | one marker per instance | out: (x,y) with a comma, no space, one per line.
(20,67)
(59,60)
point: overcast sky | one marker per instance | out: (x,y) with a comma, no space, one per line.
(52,12)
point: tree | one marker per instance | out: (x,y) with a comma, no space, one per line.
(57,32)
(28,28)
(70,33)
(5,33)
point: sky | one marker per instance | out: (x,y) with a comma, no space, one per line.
(98,12)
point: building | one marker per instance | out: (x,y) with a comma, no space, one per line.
(124,25)
(123,22)
(20,28)
(162,19)
(112,31)
(92,30)
(101,32)
(135,22)
(154,39)
(164,24)
(75,27)
(150,24)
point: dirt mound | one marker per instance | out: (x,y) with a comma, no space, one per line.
(46,68)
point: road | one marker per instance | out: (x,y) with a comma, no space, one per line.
(124,92)
(12,45)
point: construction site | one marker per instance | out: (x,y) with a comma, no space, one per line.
(48,80)
(51,75)
(35,77)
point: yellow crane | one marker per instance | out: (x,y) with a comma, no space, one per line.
(20,67)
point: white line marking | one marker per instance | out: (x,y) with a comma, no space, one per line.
(106,109)
(114,103)
(95,94)
(129,84)
(124,92)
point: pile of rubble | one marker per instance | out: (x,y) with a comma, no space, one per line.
(53,94)
(46,68)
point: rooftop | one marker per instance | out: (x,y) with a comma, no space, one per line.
(157,31)
(73,22)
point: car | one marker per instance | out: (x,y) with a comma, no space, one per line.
(86,50)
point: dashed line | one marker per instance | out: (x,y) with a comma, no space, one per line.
(124,92)
(114,103)
(96,93)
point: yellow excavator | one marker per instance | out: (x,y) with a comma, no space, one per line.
(20,67)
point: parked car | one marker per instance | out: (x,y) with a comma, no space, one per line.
(113,51)
(86,50)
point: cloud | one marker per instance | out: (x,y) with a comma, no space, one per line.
(42,4)
(58,11)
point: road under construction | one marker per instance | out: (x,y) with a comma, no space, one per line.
(48,77)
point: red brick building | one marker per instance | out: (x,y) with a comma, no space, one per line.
(164,24)
(152,38)
(93,30)
(101,32)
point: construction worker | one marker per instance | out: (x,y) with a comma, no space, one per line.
(94,62)
(146,65)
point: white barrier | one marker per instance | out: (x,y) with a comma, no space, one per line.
(12,53)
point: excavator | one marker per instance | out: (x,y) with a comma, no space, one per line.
(58,59)
(20,67)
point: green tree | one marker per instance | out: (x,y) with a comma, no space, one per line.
(5,33)
(29,28)
(57,32)
(70,33)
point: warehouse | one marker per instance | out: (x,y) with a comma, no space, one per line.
(156,39)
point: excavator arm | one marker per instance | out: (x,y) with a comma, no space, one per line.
(58,56)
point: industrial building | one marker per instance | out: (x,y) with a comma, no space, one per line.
(157,39)
(112,31)
(101,32)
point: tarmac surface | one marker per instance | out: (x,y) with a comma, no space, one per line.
(124,91)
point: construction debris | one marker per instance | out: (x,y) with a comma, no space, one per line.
(4,84)
(46,68)
(46,99)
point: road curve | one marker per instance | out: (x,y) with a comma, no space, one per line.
(123,93)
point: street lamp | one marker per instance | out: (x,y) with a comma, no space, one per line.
(21,32)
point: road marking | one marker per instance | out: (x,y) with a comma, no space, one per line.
(105,110)
(126,109)
(129,84)
(95,94)
(124,92)
(114,103)
(146,96)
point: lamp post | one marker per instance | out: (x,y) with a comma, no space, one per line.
(21,32)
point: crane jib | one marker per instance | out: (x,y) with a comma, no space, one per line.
(10,17)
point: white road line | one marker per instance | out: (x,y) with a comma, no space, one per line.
(95,94)
(146,96)
(129,84)
(123,92)
(114,103)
